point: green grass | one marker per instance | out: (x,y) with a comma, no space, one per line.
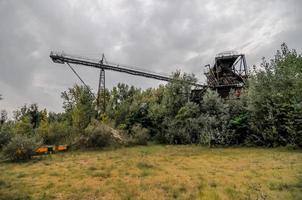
(157,172)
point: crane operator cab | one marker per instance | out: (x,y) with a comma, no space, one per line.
(229,72)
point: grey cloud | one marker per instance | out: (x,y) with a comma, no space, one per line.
(161,36)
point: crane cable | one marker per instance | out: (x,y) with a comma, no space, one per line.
(74,71)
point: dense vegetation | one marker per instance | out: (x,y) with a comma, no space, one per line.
(268,113)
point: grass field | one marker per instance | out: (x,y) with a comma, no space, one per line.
(157,172)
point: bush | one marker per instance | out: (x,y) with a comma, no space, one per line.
(4,138)
(214,130)
(5,134)
(98,136)
(238,128)
(274,97)
(214,119)
(56,133)
(185,127)
(24,127)
(138,135)
(20,148)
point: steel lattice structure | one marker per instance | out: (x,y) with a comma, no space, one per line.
(65,58)
(229,72)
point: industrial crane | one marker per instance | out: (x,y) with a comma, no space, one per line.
(229,72)
(103,65)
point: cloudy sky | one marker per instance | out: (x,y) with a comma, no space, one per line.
(161,36)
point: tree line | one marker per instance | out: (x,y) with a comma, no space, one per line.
(268,113)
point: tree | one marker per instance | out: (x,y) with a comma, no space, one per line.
(177,93)
(121,97)
(3,117)
(6,133)
(184,128)
(139,109)
(24,127)
(79,106)
(238,129)
(274,98)
(34,115)
(31,112)
(214,119)
(56,117)
(156,114)
(44,126)
(103,96)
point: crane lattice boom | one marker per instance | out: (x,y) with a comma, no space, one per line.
(65,58)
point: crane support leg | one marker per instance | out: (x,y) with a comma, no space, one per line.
(101,97)
(101,101)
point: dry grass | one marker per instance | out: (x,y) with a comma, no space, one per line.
(157,172)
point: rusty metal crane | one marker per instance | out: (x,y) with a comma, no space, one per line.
(103,65)
(228,72)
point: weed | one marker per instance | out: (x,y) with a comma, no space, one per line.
(92,168)
(103,174)
(54,174)
(21,175)
(213,184)
(145,173)
(193,172)
(144,165)
(2,183)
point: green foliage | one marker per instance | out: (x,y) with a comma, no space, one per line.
(155,114)
(121,98)
(275,97)
(268,112)
(24,127)
(177,93)
(29,114)
(79,106)
(98,135)
(138,135)
(56,117)
(174,119)
(238,125)
(6,133)
(20,148)
(185,127)
(56,133)
(214,119)
(3,117)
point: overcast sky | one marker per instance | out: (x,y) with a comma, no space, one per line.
(161,36)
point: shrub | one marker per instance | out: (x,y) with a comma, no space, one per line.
(214,119)
(274,97)
(98,136)
(5,134)
(238,128)
(56,133)
(184,128)
(20,148)
(138,135)
(214,129)
(4,138)
(24,127)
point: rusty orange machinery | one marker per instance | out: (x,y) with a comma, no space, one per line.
(51,149)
